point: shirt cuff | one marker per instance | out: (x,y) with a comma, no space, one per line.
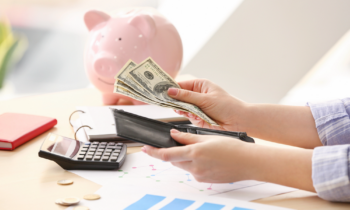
(330,172)
(332,121)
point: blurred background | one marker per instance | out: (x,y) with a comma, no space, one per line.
(266,51)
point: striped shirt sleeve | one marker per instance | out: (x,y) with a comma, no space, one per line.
(331,163)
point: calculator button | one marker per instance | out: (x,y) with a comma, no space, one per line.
(114,158)
(118,147)
(80,157)
(100,150)
(117,150)
(103,143)
(97,157)
(115,154)
(111,143)
(89,157)
(98,153)
(114,147)
(82,153)
(101,147)
(108,150)
(84,149)
(92,150)
(120,144)
(95,142)
(87,143)
(105,158)
(86,146)
(107,153)
(93,146)
(90,153)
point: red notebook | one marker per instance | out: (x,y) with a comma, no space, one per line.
(16,129)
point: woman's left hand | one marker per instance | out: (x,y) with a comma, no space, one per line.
(213,159)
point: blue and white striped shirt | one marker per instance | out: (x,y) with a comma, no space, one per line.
(331,163)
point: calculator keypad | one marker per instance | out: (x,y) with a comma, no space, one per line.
(100,151)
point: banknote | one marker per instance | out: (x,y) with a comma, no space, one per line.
(123,89)
(126,92)
(126,78)
(152,82)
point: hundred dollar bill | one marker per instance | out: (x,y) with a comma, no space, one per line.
(124,80)
(123,91)
(132,94)
(156,81)
(125,77)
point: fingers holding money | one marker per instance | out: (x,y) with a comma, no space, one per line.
(148,83)
(187,114)
(187,96)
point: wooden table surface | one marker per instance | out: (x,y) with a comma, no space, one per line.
(30,182)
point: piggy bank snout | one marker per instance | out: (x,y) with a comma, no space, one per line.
(106,67)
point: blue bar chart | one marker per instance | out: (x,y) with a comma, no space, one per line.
(148,201)
(210,206)
(178,204)
(145,202)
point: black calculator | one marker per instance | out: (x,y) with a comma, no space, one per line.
(72,154)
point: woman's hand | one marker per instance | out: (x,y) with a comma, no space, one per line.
(213,159)
(224,109)
(277,123)
(217,159)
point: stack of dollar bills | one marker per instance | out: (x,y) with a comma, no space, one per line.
(149,83)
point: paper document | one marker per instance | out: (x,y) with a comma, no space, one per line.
(81,135)
(101,120)
(141,170)
(115,197)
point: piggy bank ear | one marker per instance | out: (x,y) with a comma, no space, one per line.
(94,17)
(145,24)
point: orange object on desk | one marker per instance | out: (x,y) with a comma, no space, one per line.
(16,128)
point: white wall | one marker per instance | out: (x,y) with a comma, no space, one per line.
(197,21)
(266,46)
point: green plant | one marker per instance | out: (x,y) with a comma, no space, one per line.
(11,48)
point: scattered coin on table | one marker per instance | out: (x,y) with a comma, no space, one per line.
(81,208)
(70,200)
(59,202)
(65,182)
(92,197)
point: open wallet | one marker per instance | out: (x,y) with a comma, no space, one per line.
(157,134)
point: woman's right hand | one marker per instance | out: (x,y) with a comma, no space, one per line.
(224,109)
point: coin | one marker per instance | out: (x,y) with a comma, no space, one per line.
(81,208)
(70,200)
(59,202)
(65,182)
(92,197)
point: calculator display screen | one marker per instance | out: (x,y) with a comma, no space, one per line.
(61,145)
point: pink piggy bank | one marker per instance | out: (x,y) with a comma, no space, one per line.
(135,34)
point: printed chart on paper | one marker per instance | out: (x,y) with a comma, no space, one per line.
(117,196)
(142,170)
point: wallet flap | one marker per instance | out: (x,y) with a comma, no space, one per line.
(143,130)
(204,131)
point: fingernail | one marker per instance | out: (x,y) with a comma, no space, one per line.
(198,118)
(143,149)
(172,91)
(174,131)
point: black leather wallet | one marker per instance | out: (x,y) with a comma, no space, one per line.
(155,133)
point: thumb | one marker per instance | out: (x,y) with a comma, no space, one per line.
(185,138)
(186,96)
